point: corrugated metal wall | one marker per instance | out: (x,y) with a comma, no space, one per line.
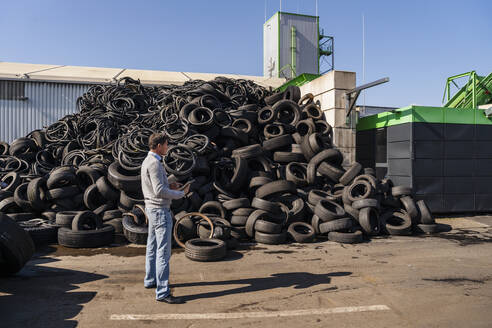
(307,43)
(44,104)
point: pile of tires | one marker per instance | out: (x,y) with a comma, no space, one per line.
(263,168)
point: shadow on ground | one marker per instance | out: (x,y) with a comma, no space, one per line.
(298,280)
(41,296)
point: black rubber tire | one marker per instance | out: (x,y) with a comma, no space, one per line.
(290,106)
(369,178)
(307,151)
(315,221)
(271,239)
(65,218)
(268,227)
(61,177)
(134,233)
(37,194)
(117,224)
(123,180)
(251,221)
(301,232)
(8,205)
(425,214)
(397,223)
(411,208)
(13,180)
(62,192)
(266,115)
(327,155)
(315,195)
(217,208)
(82,219)
(5,194)
(313,111)
(367,202)
(400,191)
(92,198)
(271,100)
(350,174)
(243,211)
(106,189)
(266,205)
(111,214)
(257,182)
(296,207)
(277,142)
(128,201)
(239,221)
(330,171)
(369,221)
(296,172)
(327,210)
(205,250)
(359,190)
(44,234)
(287,157)
(239,233)
(352,212)
(293,93)
(276,187)
(86,238)
(87,176)
(16,246)
(346,237)
(20,197)
(236,203)
(248,152)
(336,225)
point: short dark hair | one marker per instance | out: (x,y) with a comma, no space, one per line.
(156,139)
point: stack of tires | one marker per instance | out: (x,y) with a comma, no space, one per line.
(263,164)
(84,229)
(135,225)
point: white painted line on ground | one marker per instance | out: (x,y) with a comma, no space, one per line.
(245,315)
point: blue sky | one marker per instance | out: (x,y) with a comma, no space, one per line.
(418,44)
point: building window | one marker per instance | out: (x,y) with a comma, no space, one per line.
(12,90)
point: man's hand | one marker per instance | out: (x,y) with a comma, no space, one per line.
(175,185)
(186,189)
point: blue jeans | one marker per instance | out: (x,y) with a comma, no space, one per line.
(158,250)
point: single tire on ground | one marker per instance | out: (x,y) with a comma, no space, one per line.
(205,250)
(86,238)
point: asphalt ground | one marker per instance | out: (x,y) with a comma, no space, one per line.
(443,280)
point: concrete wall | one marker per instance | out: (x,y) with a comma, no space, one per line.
(329,90)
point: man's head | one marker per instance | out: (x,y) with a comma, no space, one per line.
(158,143)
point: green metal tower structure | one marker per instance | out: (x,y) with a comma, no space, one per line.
(477,91)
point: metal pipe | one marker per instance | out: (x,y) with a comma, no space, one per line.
(293,51)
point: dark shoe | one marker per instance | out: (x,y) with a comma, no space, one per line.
(171,300)
(151,286)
